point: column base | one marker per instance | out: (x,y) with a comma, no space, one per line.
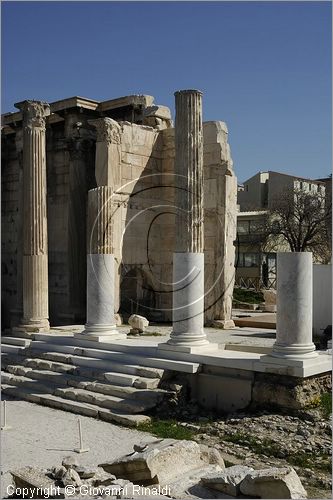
(194,347)
(100,333)
(38,326)
(294,351)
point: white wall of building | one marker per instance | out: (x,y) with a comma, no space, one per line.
(322,297)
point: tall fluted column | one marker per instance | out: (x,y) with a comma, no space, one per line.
(100,324)
(188,259)
(35,257)
(189,172)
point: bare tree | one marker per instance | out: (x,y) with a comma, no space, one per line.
(302,219)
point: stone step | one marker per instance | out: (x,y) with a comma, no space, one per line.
(151,397)
(82,395)
(139,360)
(60,379)
(44,364)
(120,379)
(75,406)
(12,349)
(17,341)
(102,400)
(98,360)
(26,382)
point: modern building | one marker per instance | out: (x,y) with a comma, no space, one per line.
(260,191)
(255,259)
(255,264)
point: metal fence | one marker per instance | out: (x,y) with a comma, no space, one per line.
(255,283)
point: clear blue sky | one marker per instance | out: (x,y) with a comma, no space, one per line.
(264,67)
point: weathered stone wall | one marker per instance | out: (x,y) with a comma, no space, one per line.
(220,222)
(11,246)
(144,249)
(57,166)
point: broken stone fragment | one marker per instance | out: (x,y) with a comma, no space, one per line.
(189,482)
(270,300)
(159,111)
(211,456)
(85,472)
(33,478)
(138,323)
(72,478)
(101,478)
(273,483)
(58,472)
(158,117)
(7,481)
(228,481)
(70,462)
(159,463)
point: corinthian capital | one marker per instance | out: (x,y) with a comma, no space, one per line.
(108,130)
(34,113)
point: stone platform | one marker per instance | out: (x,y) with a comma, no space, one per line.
(119,380)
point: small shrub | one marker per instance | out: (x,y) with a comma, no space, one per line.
(248,296)
(167,429)
(326,403)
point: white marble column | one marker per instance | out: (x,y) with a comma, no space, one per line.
(108,173)
(35,252)
(294,306)
(188,259)
(100,324)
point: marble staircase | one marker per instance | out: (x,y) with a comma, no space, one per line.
(116,383)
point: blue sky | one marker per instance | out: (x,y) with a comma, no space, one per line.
(264,67)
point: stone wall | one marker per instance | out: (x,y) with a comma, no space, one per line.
(11,245)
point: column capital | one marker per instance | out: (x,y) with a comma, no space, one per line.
(188,91)
(108,130)
(34,113)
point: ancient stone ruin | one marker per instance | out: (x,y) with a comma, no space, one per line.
(122,150)
(160,469)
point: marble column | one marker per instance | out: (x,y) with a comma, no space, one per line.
(294,306)
(108,173)
(35,256)
(188,258)
(100,324)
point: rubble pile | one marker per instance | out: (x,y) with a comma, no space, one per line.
(164,468)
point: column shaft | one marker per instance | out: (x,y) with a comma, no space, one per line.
(35,258)
(100,266)
(108,173)
(189,172)
(294,306)
(188,259)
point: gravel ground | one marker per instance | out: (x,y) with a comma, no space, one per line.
(42,436)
